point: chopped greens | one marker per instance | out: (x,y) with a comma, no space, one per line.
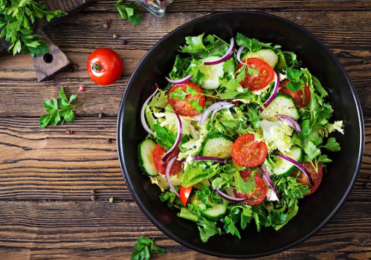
(216,137)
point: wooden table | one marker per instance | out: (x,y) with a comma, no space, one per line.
(46,176)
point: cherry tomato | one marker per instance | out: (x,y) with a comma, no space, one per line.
(257,81)
(258,195)
(316,177)
(300,99)
(184,108)
(184,194)
(104,66)
(158,153)
(248,153)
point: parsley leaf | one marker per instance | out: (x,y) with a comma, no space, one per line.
(193,45)
(311,150)
(332,145)
(142,252)
(254,117)
(130,12)
(252,45)
(198,171)
(179,94)
(164,137)
(194,69)
(195,104)
(207,229)
(16,21)
(57,109)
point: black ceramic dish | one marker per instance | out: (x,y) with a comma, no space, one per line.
(315,210)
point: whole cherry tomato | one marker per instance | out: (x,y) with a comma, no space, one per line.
(104,66)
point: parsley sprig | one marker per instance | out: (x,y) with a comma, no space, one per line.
(60,110)
(143,249)
(16,20)
(129,11)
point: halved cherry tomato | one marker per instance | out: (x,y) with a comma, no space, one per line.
(104,66)
(184,194)
(316,177)
(258,195)
(257,81)
(248,153)
(301,99)
(158,153)
(184,108)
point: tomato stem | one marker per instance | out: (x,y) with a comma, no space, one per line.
(95,66)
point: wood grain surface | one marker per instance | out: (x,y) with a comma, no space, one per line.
(46,176)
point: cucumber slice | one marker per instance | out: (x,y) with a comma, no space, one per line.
(145,157)
(267,55)
(281,105)
(216,212)
(285,168)
(217,145)
(212,73)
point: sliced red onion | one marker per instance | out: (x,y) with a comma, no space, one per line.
(179,81)
(298,165)
(142,112)
(227,197)
(274,93)
(177,140)
(291,122)
(266,177)
(167,175)
(214,107)
(239,52)
(226,56)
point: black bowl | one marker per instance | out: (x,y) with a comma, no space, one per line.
(315,210)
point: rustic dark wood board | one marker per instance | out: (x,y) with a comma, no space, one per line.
(46,176)
(101,230)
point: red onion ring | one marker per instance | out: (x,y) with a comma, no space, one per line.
(216,106)
(239,52)
(274,93)
(291,122)
(266,177)
(177,140)
(227,197)
(179,81)
(226,56)
(142,112)
(298,165)
(167,175)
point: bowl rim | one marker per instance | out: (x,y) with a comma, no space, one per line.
(162,228)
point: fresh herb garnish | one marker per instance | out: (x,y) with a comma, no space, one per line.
(16,20)
(60,110)
(143,249)
(129,11)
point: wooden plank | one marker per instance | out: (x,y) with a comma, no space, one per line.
(227,5)
(49,164)
(96,230)
(346,33)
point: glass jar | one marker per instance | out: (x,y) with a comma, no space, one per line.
(156,7)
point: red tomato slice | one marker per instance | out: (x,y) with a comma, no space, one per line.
(257,81)
(184,108)
(158,153)
(184,194)
(316,177)
(258,195)
(300,99)
(248,153)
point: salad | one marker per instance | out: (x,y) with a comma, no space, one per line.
(238,135)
